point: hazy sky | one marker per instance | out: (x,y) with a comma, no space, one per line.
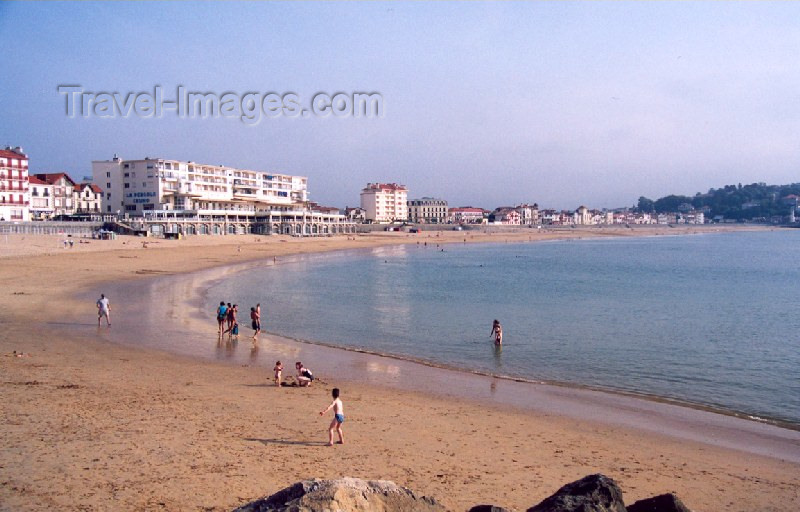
(485,104)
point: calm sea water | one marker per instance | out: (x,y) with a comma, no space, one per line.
(711,319)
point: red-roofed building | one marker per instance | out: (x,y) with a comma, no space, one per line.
(14,195)
(41,197)
(63,187)
(87,198)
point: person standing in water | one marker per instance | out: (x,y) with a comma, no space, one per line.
(497,332)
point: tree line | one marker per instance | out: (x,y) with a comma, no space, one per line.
(757,200)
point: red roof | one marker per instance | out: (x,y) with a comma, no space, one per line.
(52,178)
(36,181)
(5,153)
(82,186)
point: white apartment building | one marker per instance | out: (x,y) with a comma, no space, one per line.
(427,211)
(385,202)
(151,185)
(14,194)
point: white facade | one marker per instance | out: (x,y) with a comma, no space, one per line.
(42,204)
(385,202)
(155,184)
(14,193)
(427,210)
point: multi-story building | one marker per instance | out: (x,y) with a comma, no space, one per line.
(385,202)
(507,216)
(14,194)
(528,215)
(165,196)
(466,215)
(427,211)
(61,192)
(134,187)
(41,198)
(87,198)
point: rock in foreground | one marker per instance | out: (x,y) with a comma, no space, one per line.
(346,494)
(661,503)
(593,493)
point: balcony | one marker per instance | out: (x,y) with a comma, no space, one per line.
(13,202)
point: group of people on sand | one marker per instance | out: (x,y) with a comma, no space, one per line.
(304,379)
(228,320)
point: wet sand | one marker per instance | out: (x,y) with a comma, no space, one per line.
(90,422)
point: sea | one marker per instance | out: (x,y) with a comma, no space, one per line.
(707,320)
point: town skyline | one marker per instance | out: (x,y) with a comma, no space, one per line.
(484,104)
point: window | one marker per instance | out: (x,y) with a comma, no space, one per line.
(127,175)
(127,185)
(108,185)
(108,195)
(108,175)
(130,208)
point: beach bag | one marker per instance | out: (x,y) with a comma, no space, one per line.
(235,329)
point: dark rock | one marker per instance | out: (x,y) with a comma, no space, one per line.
(488,508)
(661,503)
(345,495)
(593,493)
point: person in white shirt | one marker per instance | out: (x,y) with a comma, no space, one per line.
(103,310)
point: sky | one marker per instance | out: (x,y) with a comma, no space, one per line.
(483,104)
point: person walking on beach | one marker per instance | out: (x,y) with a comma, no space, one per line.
(497,332)
(338,417)
(255,316)
(222,314)
(103,310)
(229,318)
(278,371)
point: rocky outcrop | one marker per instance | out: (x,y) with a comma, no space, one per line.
(345,494)
(593,493)
(661,503)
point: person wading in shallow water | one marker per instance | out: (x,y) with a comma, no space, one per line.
(497,332)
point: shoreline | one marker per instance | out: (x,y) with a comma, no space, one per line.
(411,374)
(114,414)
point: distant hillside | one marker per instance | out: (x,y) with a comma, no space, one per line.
(758,200)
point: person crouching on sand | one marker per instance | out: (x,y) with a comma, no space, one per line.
(304,375)
(338,417)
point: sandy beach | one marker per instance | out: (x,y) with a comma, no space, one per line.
(89,423)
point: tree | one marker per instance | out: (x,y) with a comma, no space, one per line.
(646,205)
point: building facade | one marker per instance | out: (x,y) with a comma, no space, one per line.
(466,215)
(165,196)
(385,202)
(134,187)
(427,211)
(62,188)
(87,198)
(14,188)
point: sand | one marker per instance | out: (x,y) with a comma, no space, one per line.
(89,424)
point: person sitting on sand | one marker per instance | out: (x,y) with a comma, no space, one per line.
(338,417)
(497,332)
(304,375)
